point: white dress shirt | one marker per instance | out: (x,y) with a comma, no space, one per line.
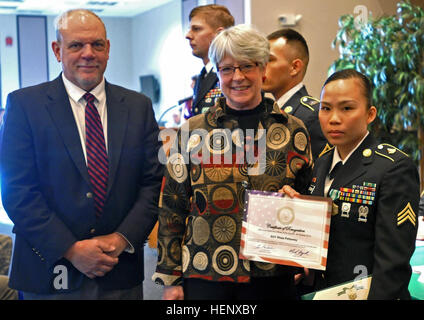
(286,97)
(336,159)
(78,104)
(208,67)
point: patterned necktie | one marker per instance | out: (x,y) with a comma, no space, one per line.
(97,161)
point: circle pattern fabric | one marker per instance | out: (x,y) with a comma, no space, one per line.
(177,168)
(225,260)
(277,136)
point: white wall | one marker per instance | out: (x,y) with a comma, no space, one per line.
(8,56)
(160,48)
(319,26)
(54,66)
(119,68)
(150,43)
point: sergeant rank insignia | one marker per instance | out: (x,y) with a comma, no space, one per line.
(406,214)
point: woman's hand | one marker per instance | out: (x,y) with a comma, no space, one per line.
(286,189)
(173,293)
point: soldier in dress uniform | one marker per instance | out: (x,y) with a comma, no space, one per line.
(284,79)
(375,192)
(205,23)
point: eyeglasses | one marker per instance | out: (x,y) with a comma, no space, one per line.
(244,68)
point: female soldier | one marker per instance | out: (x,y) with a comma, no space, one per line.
(375,191)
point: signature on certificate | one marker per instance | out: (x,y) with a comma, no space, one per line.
(299,252)
(263,246)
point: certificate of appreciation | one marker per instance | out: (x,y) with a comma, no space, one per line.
(278,229)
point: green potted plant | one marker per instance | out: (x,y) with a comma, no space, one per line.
(390,51)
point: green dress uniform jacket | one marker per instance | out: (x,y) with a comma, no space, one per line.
(201,205)
(374,224)
(306,108)
(206,91)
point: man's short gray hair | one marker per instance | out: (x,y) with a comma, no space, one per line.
(60,22)
(242,42)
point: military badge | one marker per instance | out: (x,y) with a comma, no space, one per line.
(345,209)
(335,209)
(363,213)
(334,194)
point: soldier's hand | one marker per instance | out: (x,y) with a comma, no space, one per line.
(286,189)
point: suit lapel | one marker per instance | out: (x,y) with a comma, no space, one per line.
(323,167)
(59,107)
(294,100)
(117,119)
(206,84)
(355,166)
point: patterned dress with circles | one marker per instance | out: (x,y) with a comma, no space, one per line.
(200,215)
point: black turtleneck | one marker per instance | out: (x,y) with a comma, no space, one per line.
(247,119)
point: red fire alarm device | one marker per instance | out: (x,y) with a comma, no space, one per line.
(9,41)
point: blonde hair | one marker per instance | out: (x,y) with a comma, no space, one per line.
(215,15)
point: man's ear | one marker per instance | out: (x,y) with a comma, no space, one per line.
(296,67)
(108,47)
(219,30)
(56,50)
